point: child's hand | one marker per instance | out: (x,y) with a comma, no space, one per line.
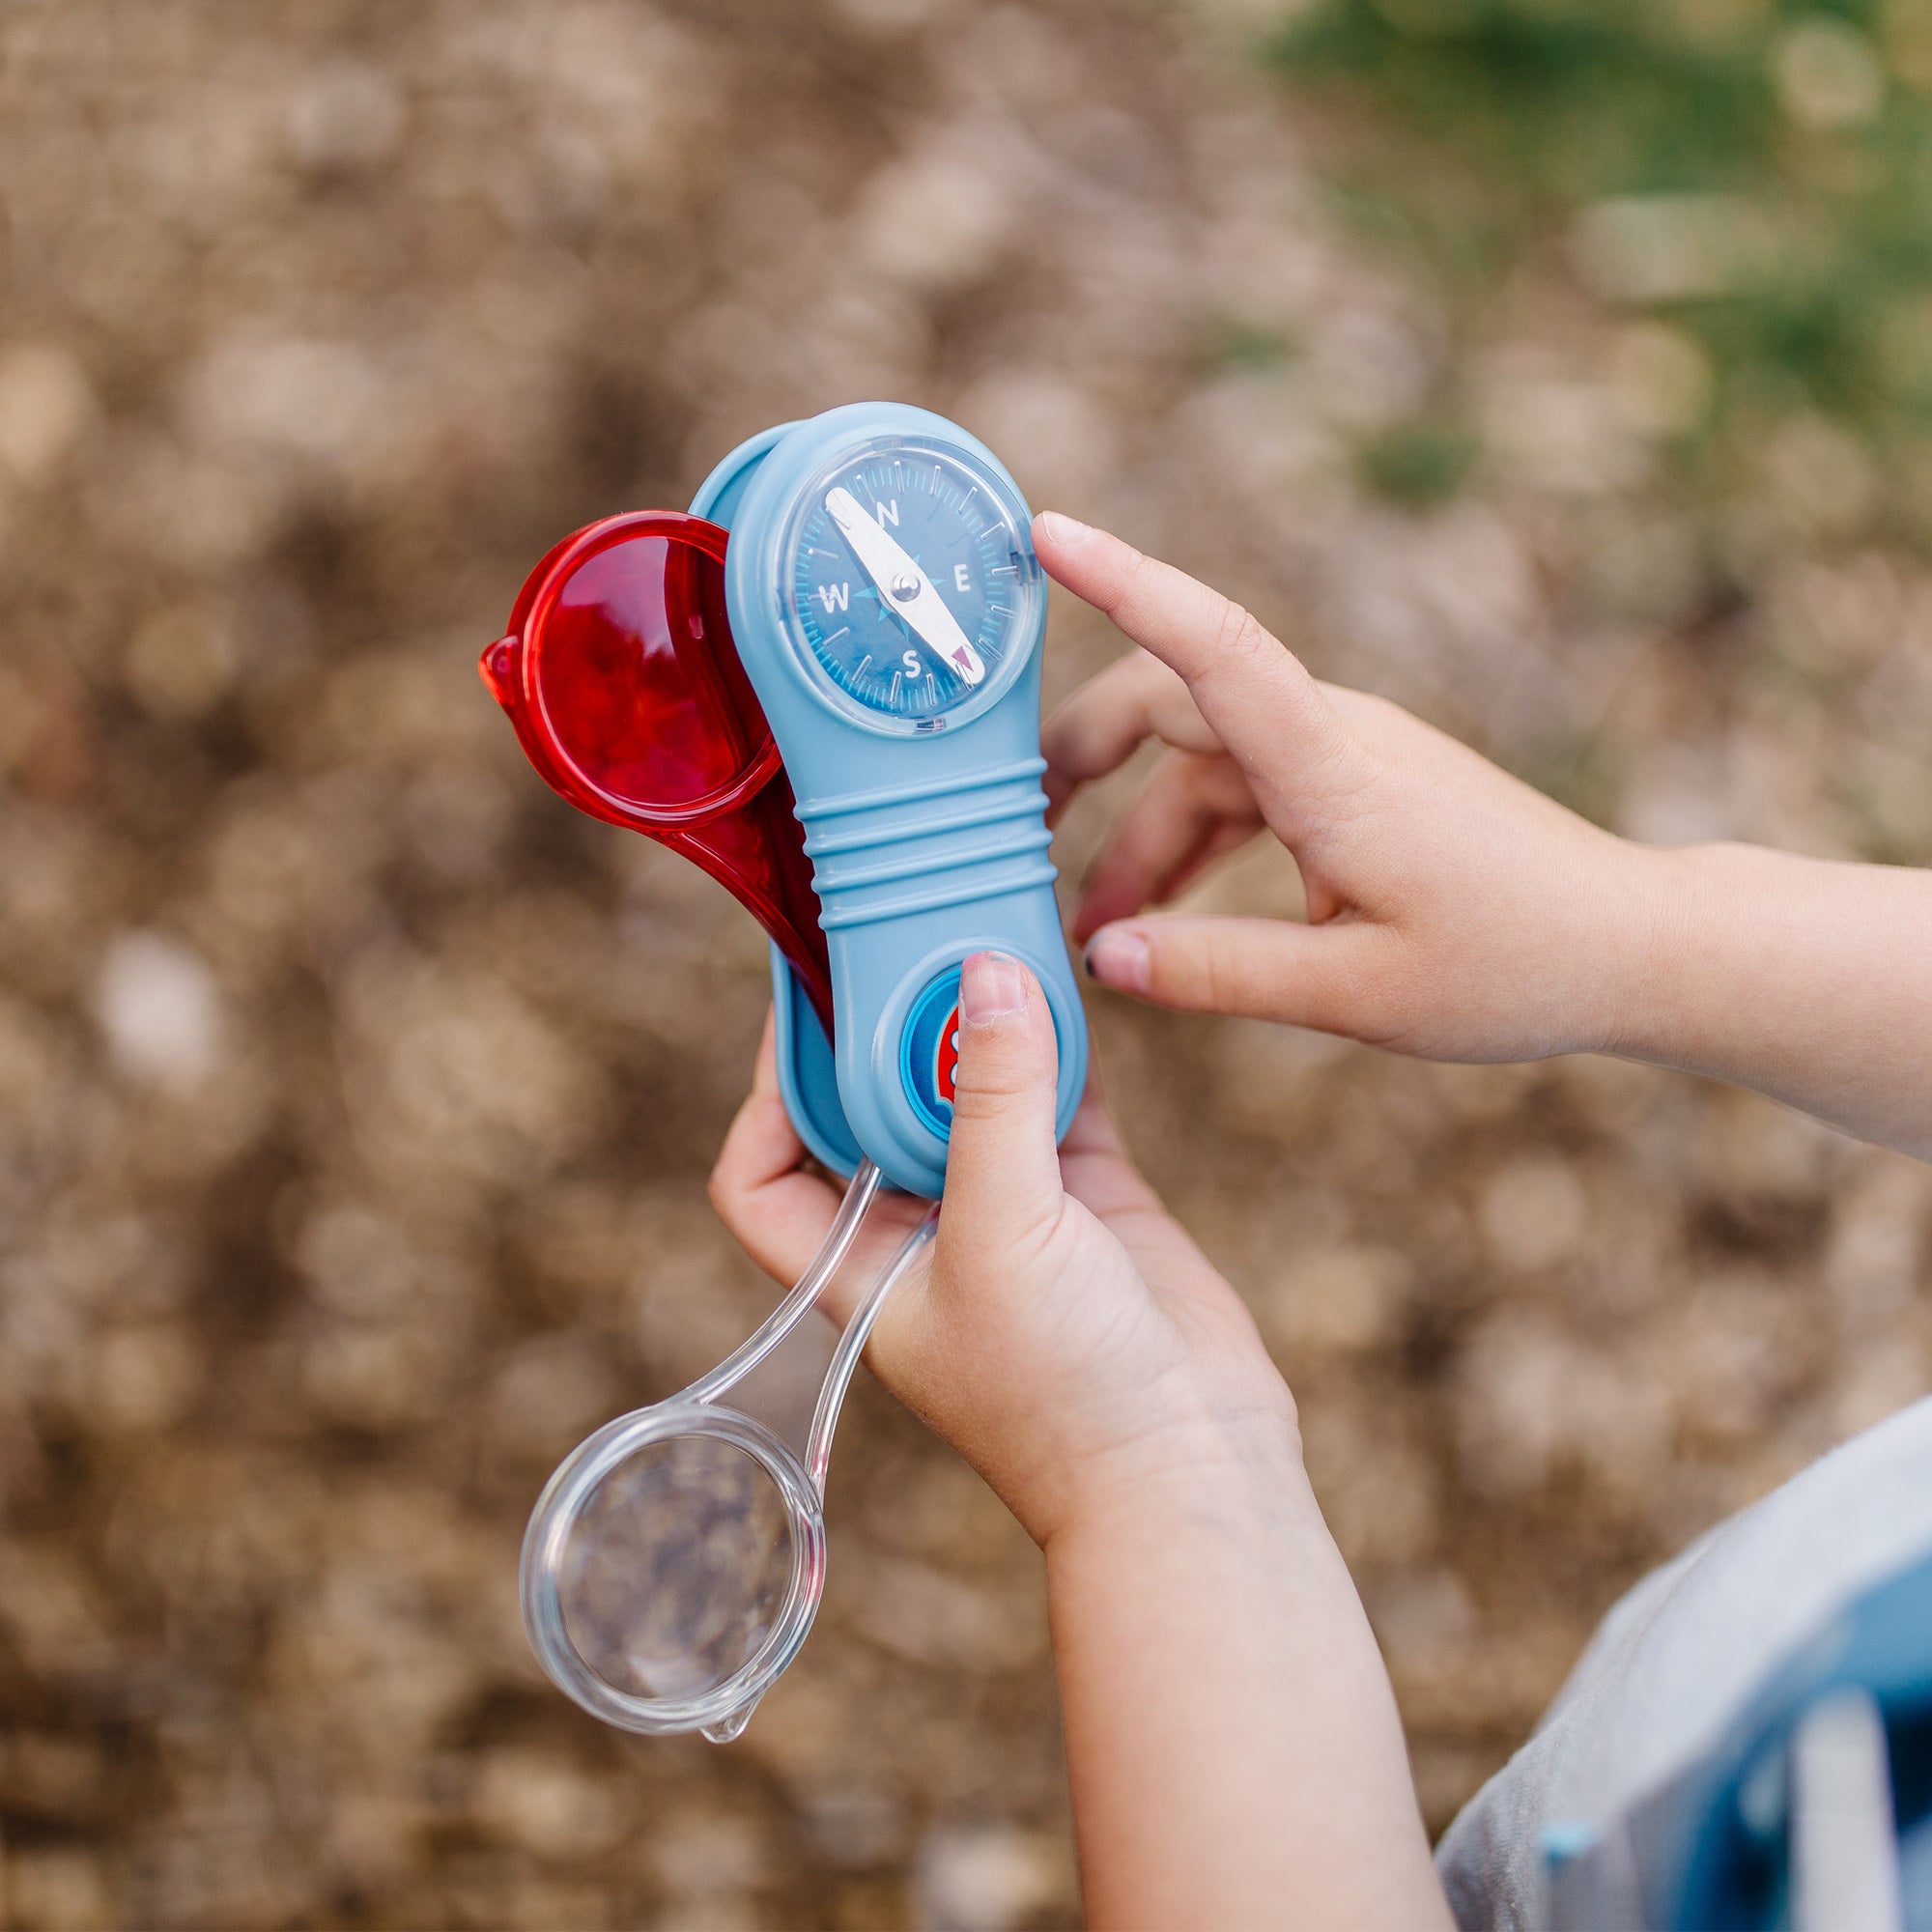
(1232,1743)
(1452,911)
(1069,1341)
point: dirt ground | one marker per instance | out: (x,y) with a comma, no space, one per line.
(357,1095)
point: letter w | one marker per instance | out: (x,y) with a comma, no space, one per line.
(834,596)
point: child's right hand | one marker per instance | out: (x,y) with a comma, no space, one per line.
(1453,912)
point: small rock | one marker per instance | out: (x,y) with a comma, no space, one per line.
(44,405)
(161,1010)
(987,1878)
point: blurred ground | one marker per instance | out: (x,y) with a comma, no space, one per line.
(357,1096)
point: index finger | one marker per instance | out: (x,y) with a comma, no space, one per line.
(1255,695)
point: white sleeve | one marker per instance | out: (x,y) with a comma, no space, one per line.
(1677,1657)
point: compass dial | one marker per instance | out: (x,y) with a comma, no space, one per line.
(908,581)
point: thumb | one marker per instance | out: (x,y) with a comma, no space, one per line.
(1002,1170)
(1324,977)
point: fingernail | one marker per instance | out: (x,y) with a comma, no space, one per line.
(1116,955)
(1063,530)
(991,986)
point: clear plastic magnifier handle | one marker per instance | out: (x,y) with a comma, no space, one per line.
(674,1561)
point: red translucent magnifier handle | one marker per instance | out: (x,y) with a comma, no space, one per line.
(759,854)
(623,682)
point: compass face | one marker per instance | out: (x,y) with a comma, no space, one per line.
(908,583)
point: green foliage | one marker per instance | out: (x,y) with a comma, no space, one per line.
(1420,462)
(1231,344)
(1555,103)
(1758,172)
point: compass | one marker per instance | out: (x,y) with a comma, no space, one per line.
(909,583)
(888,607)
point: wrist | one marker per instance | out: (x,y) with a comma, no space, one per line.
(1679,988)
(1631,947)
(1219,1456)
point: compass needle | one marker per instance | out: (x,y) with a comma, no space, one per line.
(903,585)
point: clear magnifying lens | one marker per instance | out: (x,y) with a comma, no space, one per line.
(676,1560)
(676,1569)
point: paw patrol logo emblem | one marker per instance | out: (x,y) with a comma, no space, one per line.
(946,1063)
(930,1052)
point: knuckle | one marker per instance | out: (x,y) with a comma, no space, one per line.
(1240,635)
(1239,972)
(1219,980)
(986,1097)
(1137,571)
(1137,566)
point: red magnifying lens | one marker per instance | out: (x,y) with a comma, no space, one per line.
(621,677)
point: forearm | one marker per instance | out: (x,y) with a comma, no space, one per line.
(1807,980)
(1233,1744)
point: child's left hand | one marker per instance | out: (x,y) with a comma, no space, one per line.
(1070,1340)
(1232,1743)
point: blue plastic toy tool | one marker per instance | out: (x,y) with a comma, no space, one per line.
(888,609)
(885,603)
